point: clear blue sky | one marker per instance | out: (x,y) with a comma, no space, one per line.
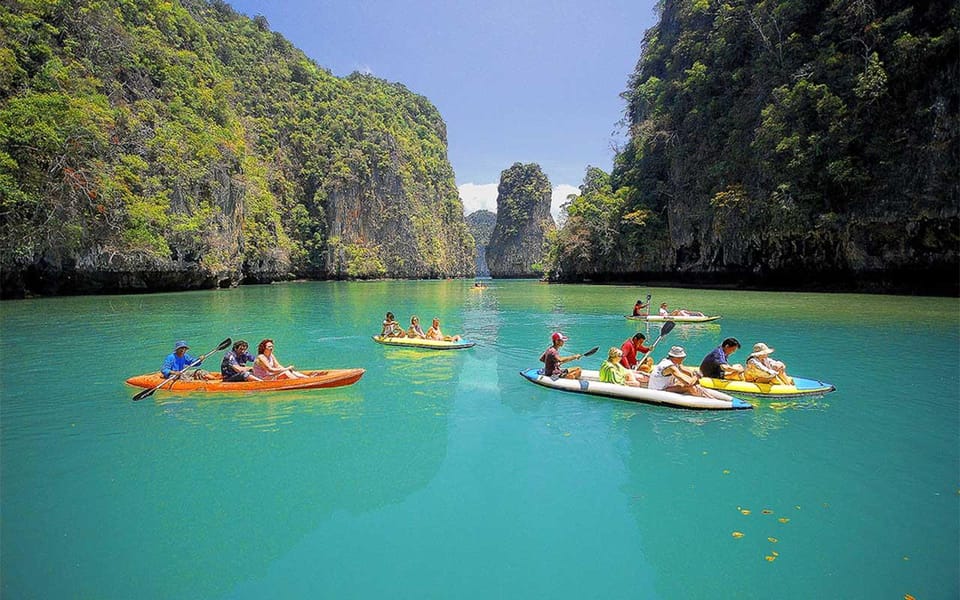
(515,81)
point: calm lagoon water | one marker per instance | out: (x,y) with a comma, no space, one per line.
(446,475)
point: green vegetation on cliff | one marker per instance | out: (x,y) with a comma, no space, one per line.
(153,144)
(781,142)
(517,244)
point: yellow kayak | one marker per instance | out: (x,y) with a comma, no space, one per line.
(422,343)
(800,387)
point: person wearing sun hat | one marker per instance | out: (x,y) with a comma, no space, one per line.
(763,369)
(552,361)
(670,375)
(178,360)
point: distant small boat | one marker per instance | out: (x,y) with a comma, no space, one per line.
(801,387)
(422,343)
(317,379)
(589,383)
(674,318)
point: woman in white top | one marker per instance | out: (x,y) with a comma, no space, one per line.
(267,367)
(680,312)
(415,331)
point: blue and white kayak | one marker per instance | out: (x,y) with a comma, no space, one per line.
(589,383)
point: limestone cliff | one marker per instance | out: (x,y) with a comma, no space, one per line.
(516,247)
(179,145)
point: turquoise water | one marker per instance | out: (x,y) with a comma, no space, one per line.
(446,474)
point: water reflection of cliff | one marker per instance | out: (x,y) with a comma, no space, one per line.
(253,492)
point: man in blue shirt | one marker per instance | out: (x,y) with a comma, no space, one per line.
(179,360)
(716,365)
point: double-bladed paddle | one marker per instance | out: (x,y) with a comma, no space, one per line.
(667,328)
(146,393)
(590,352)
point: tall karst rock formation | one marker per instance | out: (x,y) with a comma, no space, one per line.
(516,246)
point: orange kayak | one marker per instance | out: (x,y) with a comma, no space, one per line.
(318,379)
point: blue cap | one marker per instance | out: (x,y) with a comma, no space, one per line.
(180,344)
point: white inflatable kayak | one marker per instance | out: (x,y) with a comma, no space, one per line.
(589,383)
(675,319)
(422,343)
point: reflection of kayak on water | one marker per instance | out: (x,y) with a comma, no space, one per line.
(674,318)
(422,343)
(800,387)
(589,383)
(317,379)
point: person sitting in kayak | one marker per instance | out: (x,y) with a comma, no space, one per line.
(267,367)
(390,327)
(552,361)
(612,371)
(234,367)
(716,363)
(670,375)
(631,348)
(639,307)
(679,312)
(763,369)
(434,333)
(415,330)
(176,363)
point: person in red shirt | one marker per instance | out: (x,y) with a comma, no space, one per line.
(631,348)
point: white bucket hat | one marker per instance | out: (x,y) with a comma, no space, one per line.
(761,349)
(677,352)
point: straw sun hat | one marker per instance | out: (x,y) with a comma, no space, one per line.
(761,349)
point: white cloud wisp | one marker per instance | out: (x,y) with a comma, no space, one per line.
(483,196)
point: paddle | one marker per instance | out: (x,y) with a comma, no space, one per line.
(590,352)
(667,328)
(146,393)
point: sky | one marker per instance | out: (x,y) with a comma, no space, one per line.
(530,81)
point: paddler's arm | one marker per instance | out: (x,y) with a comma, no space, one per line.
(565,359)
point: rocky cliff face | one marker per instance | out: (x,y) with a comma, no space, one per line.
(767,151)
(187,146)
(481,224)
(516,246)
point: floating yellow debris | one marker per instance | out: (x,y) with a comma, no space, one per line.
(737,534)
(775,553)
(908,597)
(772,540)
(767,511)
(906,558)
(784,520)
(770,558)
(797,507)
(745,511)
(726,471)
